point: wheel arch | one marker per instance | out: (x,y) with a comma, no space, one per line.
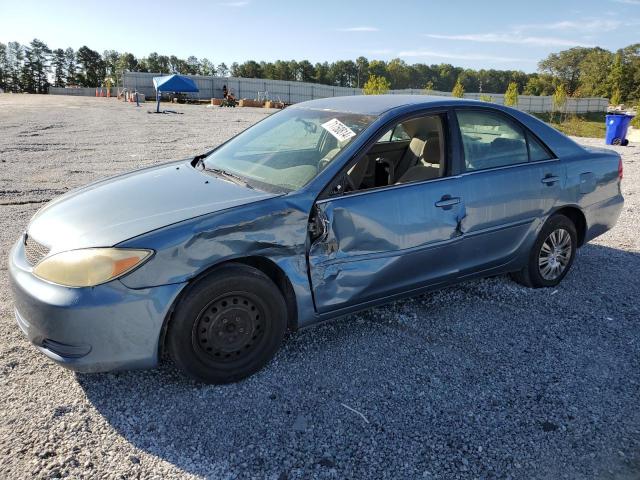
(265,265)
(578,218)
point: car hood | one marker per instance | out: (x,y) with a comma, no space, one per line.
(108,212)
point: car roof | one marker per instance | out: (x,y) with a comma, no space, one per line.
(378,104)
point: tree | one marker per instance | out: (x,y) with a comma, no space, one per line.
(565,66)
(93,71)
(559,100)
(222,70)
(486,98)
(15,57)
(398,73)
(322,73)
(458,90)
(70,67)
(540,84)
(207,67)
(428,87)
(4,67)
(362,67)
(59,64)
(511,95)
(35,70)
(376,85)
(193,65)
(111,58)
(306,71)
(127,62)
(594,73)
(616,74)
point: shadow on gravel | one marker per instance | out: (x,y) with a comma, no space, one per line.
(487,379)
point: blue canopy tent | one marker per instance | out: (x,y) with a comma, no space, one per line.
(172,83)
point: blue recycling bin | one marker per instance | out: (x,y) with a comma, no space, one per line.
(617,126)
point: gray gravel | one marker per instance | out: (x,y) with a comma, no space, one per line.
(485,380)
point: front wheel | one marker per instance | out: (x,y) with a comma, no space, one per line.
(228,325)
(552,254)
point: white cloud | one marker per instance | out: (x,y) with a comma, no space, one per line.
(512,38)
(459,56)
(628,2)
(358,29)
(584,25)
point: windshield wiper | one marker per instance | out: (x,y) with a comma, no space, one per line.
(237,179)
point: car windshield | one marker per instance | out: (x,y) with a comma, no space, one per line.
(288,149)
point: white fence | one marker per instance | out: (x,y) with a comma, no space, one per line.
(81,91)
(294,92)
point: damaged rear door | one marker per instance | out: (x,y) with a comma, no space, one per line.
(378,243)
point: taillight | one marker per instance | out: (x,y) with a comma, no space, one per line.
(620,168)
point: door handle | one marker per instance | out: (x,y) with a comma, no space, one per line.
(550,179)
(447,201)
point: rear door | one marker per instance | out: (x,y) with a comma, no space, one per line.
(510,182)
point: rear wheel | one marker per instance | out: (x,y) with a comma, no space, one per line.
(552,254)
(228,325)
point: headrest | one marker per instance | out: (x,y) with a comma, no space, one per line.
(431,150)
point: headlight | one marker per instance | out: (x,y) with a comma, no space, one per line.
(91,266)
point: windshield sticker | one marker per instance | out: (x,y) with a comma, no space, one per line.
(338,129)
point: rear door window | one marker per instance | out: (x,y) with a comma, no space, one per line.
(491,140)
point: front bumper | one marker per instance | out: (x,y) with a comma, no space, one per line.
(96,329)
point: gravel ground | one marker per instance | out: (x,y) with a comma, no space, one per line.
(484,380)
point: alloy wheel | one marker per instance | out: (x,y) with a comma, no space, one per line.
(555,254)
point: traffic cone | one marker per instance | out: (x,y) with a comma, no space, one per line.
(96,91)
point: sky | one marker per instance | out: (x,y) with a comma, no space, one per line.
(472,34)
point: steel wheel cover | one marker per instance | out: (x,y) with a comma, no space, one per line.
(229,328)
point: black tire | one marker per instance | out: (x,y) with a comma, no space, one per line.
(536,274)
(228,325)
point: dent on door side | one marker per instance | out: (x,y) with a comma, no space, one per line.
(364,251)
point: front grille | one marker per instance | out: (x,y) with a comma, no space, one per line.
(34,251)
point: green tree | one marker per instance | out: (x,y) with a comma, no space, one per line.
(458,90)
(428,87)
(322,73)
(92,67)
(616,75)
(559,101)
(566,66)
(110,58)
(222,70)
(362,67)
(71,68)
(511,95)
(306,71)
(35,69)
(594,73)
(4,67)
(540,84)
(15,57)
(207,67)
(398,73)
(193,65)
(376,85)
(126,62)
(59,64)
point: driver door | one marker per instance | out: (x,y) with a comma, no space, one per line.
(376,243)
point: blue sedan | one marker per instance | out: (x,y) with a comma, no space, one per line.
(328,207)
